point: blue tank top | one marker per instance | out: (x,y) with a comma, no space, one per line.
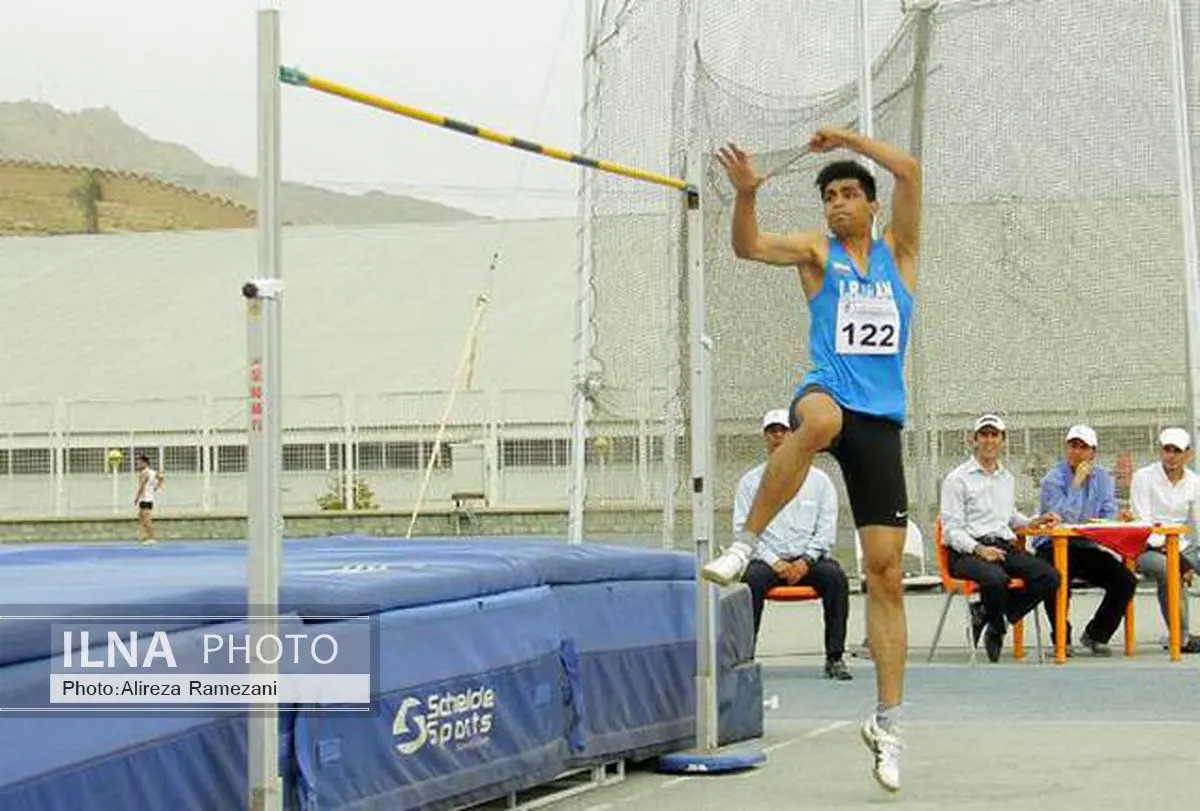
(858,333)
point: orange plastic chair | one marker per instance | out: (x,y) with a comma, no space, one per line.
(792,594)
(953,585)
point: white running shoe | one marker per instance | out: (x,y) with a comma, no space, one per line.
(886,746)
(727,568)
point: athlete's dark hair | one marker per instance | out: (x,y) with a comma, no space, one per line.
(143,458)
(847,170)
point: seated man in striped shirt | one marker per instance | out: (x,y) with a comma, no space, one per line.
(978,511)
(794,549)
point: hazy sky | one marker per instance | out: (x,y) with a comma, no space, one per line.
(185,72)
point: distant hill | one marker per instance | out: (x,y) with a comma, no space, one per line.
(98,139)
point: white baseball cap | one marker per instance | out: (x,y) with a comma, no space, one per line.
(779,416)
(990,421)
(1175,436)
(1084,433)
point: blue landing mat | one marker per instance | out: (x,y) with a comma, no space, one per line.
(341,576)
(574,653)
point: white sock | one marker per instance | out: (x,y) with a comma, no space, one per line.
(747,539)
(887,717)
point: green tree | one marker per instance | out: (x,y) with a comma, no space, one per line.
(334,498)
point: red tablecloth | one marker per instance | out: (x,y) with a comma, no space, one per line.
(1128,540)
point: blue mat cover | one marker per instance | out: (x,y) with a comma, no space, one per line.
(636,662)
(472,694)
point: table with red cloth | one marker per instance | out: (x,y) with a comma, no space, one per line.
(1127,539)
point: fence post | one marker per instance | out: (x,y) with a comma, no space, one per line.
(58,458)
(206,451)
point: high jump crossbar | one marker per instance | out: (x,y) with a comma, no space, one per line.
(294,76)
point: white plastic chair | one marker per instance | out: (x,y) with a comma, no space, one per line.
(914,547)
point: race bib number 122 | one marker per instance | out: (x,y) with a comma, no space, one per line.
(868,326)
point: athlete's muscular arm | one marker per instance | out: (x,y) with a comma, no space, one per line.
(904,233)
(796,249)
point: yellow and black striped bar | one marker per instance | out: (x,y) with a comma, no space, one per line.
(298,78)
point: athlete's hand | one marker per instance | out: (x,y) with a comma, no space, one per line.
(739,168)
(1082,472)
(991,554)
(827,139)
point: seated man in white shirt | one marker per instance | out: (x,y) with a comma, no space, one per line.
(794,550)
(1166,492)
(978,511)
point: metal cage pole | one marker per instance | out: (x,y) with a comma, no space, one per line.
(920,402)
(866,115)
(1187,208)
(580,394)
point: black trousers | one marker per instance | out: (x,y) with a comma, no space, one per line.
(829,581)
(1091,564)
(1001,603)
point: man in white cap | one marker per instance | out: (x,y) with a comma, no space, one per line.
(1166,492)
(1077,490)
(979,514)
(794,548)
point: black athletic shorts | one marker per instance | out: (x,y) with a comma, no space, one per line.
(871,455)
(145,505)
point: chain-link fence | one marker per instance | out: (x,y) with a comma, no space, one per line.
(1052,265)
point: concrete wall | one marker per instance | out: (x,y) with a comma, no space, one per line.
(631,525)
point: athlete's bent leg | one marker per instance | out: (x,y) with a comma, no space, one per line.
(819,421)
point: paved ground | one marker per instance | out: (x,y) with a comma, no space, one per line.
(1094,733)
